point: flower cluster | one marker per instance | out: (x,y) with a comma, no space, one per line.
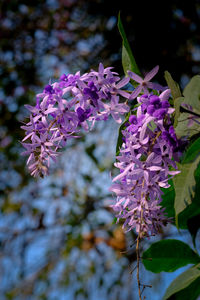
(146,159)
(66,106)
(146,164)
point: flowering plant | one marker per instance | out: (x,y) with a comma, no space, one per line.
(157,150)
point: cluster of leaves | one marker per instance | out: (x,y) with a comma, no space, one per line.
(182,200)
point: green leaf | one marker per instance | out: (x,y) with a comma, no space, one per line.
(184,185)
(177,104)
(128,60)
(191,292)
(182,282)
(189,218)
(193,227)
(192,93)
(120,135)
(169,194)
(174,87)
(114,221)
(168,255)
(192,151)
(183,130)
(192,97)
(168,200)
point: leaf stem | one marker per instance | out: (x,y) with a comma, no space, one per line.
(182,109)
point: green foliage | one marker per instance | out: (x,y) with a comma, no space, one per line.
(185,183)
(188,218)
(193,226)
(120,136)
(182,199)
(192,152)
(174,87)
(183,129)
(168,200)
(191,292)
(186,286)
(191,97)
(192,92)
(129,64)
(128,60)
(168,256)
(177,104)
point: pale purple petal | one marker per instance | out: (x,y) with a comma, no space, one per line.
(124,94)
(101,68)
(150,158)
(136,92)
(121,175)
(151,74)
(135,77)
(31,108)
(170,110)
(122,82)
(173,172)
(165,95)
(116,117)
(155,168)
(146,177)
(155,86)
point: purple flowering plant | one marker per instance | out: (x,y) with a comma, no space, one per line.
(157,151)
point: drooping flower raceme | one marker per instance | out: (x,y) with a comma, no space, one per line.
(146,164)
(66,106)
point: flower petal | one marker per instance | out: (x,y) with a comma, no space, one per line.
(151,74)
(135,77)
(154,168)
(124,94)
(126,170)
(122,82)
(156,86)
(136,92)
(165,95)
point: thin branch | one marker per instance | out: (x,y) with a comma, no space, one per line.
(182,109)
(138,265)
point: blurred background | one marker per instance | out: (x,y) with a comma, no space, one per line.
(58,238)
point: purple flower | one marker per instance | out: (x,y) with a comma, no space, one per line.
(91,92)
(170,136)
(83,114)
(160,113)
(145,163)
(74,101)
(165,104)
(156,106)
(48,89)
(64,77)
(155,101)
(145,83)
(136,122)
